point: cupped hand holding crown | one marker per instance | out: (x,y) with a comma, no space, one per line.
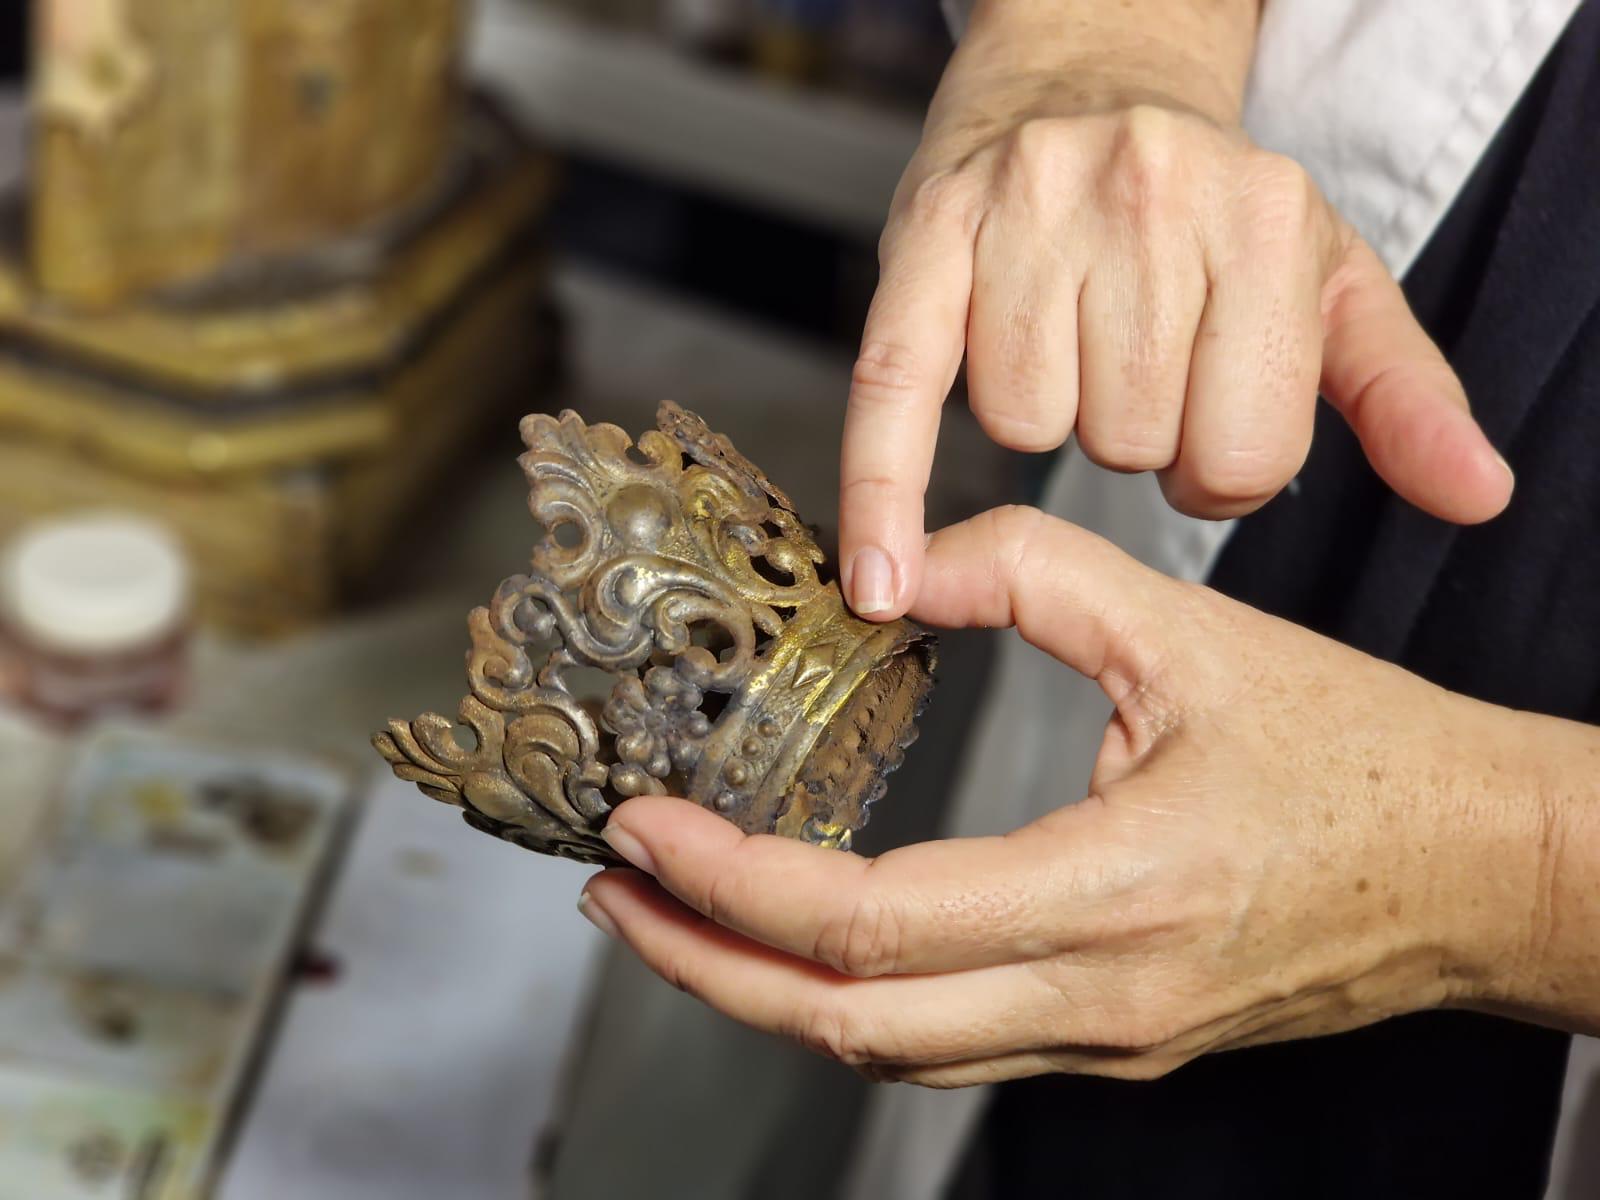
(1282,838)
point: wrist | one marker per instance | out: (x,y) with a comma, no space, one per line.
(1526,933)
(1095,57)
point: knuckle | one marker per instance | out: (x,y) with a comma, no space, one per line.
(874,1072)
(1030,430)
(886,375)
(1243,473)
(1280,203)
(865,943)
(1126,448)
(945,198)
(1142,169)
(1140,1068)
(1394,379)
(1014,527)
(1147,1034)
(948,1080)
(1140,1034)
(855,491)
(940,206)
(1014,531)
(1185,499)
(1034,156)
(679,972)
(726,896)
(886,242)
(832,1033)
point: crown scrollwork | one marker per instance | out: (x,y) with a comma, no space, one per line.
(677,568)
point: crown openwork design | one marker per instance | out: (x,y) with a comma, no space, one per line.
(738,677)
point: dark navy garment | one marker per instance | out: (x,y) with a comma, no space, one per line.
(1436,1104)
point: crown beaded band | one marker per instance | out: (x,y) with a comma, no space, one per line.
(741,680)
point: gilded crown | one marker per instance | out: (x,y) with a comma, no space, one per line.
(740,679)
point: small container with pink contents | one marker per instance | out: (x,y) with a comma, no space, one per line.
(95,616)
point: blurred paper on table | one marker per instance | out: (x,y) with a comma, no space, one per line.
(141,955)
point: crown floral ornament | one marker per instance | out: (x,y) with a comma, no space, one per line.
(739,678)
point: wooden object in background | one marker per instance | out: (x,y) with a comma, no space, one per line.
(172,137)
(273,267)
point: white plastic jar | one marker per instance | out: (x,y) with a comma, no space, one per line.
(96,610)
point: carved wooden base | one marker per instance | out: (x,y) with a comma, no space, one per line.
(288,416)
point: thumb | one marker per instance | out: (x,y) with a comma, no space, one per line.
(1075,596)
(1405,404)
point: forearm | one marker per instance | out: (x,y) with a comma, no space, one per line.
(1097,55)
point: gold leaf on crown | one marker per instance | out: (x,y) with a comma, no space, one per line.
(741,679)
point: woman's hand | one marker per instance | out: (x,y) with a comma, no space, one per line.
(1282,837)
(1085,221)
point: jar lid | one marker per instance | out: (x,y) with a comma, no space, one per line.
(94,583)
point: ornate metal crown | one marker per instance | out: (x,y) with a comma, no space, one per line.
(740,679)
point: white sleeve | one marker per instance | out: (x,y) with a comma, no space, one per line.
(1390,103)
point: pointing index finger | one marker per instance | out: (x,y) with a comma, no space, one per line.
(910,351)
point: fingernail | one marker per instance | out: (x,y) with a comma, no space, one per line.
(597,916)
(630,847)
(871,581)
(1501,459)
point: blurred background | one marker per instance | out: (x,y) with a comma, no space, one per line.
(277,277)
